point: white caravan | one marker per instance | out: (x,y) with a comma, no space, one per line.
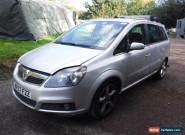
(180,28)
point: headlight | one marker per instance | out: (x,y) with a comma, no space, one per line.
(67,77)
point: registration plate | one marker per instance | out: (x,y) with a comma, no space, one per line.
(22,91)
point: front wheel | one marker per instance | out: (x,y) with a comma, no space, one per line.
(105,99)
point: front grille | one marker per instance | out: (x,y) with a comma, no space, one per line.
(32,76)
(25,99)
(34,80)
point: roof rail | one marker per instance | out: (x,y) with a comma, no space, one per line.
(140,17)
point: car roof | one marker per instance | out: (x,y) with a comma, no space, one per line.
(133,20)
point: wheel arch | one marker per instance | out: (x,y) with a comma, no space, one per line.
(110,74)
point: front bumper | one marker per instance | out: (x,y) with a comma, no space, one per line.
(43,99)
(38,105)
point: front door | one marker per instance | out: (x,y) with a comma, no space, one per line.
(137,60)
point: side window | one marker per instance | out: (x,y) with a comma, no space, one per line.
(136,34)
(154,34)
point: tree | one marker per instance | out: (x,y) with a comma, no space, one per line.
(169,11)
(140,7)
(110,8)
(104,9)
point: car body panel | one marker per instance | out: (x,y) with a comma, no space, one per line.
(137,64)
(58,56)
(159,51)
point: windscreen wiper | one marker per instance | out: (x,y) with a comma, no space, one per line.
(72,44)
(66,43)
(78,45)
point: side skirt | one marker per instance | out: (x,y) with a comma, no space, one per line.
(142,79)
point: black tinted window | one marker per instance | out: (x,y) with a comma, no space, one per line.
(154,34)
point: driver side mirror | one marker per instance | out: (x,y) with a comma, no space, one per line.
(136,46)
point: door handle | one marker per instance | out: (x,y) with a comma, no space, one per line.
(147,55)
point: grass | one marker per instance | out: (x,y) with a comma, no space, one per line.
(12,49)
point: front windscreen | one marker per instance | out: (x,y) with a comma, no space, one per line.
(93,34)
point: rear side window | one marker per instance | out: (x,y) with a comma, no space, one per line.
(156,34)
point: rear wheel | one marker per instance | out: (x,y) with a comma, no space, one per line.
(105,99)
(162,71)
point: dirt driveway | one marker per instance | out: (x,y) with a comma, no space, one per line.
(151,103)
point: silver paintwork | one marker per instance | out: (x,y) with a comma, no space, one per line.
(53,57)
(130,68)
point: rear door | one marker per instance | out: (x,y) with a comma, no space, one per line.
(157,41)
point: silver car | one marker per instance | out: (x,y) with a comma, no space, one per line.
(86,69)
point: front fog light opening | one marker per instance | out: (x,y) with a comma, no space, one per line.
(58,106)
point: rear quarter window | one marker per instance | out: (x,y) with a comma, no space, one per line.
(163,33)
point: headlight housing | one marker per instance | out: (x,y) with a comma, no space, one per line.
(66,77)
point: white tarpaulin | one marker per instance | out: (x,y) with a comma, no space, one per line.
(44,18)
(33,19)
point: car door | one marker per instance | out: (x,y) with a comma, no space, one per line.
(138,60)
(135,62)
(158,43)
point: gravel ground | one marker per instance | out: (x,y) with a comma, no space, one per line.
(150,103)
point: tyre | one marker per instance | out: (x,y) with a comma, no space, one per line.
(162,71)
(105,99)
